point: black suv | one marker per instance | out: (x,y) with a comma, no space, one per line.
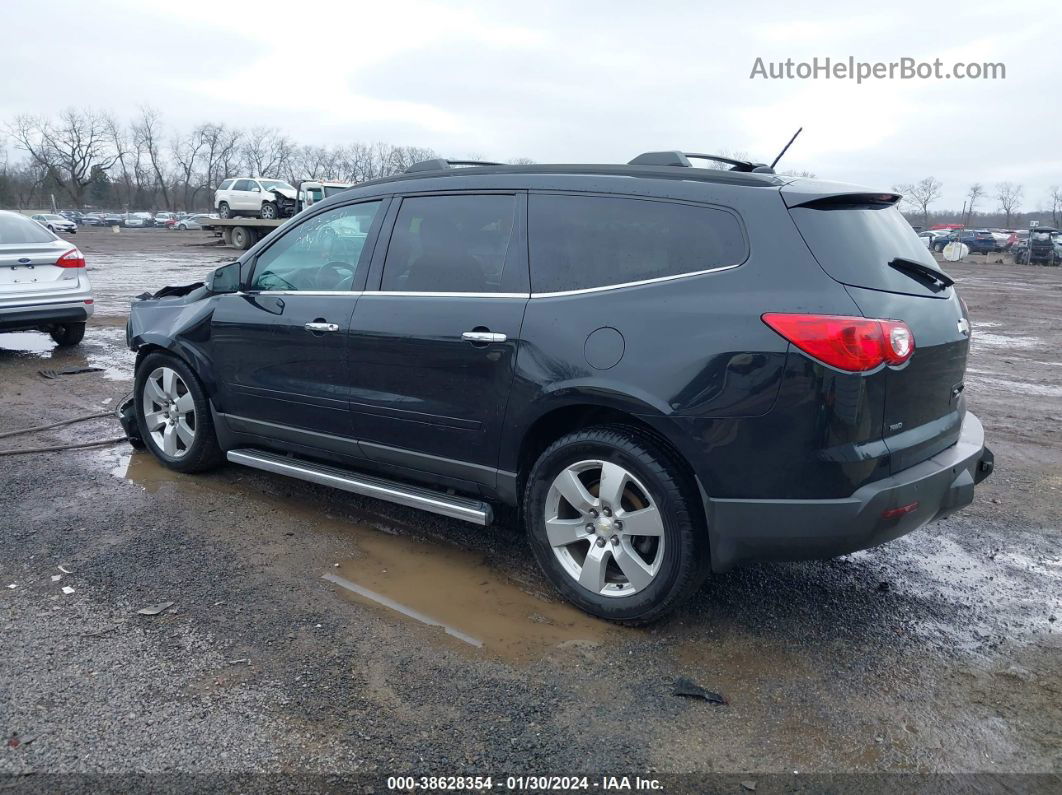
(669,370)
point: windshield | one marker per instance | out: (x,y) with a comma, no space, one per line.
(19,229)
(270,184)
(55,218)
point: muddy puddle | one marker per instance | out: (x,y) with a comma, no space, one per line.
(462,596)
(103,347)
(453,594)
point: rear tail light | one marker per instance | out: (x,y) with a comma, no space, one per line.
(856,344)
(71,259)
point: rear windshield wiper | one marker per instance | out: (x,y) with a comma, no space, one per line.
(919,271)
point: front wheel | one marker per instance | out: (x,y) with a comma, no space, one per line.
(173,414)
(613,521)
(269,211)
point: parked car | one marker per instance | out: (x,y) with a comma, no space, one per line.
(165,219)
(1041,247)
(667,370)
(138,220)
(43,285)
(72,215)
(195,221)
(979,241)
(256,197)
(92,219)
(929,237)
(57,224)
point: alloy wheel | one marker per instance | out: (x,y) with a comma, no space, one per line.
(169,412)
(604,527)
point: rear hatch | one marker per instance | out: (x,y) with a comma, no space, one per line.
(863,242)
(28,254)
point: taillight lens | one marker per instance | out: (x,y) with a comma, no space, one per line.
(71,259)
(856,344)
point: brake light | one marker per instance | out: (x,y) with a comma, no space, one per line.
(71,259)
(856,344)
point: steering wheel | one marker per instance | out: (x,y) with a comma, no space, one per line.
(332,275)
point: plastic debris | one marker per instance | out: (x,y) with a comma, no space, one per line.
(749,785)
(13,585)
(67,589)
(690,689)
(69,371)
(57,577)
(154,610)
(63,569)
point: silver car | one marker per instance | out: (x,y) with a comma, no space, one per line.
(56,223)
(43,286)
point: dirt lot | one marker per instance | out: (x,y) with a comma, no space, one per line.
(938,653)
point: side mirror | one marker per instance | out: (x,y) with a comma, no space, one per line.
(225,279)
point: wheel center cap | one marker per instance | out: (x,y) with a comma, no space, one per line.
(604,526)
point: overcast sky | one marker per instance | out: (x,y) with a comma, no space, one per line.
(570,81)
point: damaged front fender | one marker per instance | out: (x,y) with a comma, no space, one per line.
(176,319)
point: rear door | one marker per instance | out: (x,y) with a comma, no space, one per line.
(279,346)
(432,352)
(870,248)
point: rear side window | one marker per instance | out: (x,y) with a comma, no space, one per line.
(452,244)
(245,184)
(226,184)
(855,244)
(19,229)
(581,242)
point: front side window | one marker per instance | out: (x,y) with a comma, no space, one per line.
(451,244)
(321,253)
(582,242)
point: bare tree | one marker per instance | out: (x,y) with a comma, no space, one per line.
(921,194)
(147,133)
(68,149)
(1056,206)
(266,152)
(1010,196)
(185,152)
(976,191)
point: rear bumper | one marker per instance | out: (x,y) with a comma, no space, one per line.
(746,530)
(24,318)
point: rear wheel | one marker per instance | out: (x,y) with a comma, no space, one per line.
(613,522)
(173,414)
(182,227)
(224,211)
(68,334)
(242,238)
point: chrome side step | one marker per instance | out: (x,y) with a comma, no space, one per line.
(463,508)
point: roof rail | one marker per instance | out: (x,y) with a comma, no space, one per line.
(683,159)
(440,164)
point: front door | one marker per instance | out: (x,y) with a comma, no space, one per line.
(246,195)
(280,345)
(432,352)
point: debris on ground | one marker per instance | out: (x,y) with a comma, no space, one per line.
(154,610)
(883,587)
(68,371)
(13,585)
(690,689)
(15,741)
(67,590)
(63,569)
(749,785)
(246,660)
(57,577)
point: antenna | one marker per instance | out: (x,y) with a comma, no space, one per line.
(786,147)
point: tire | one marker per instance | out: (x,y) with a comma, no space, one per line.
(51,229)
(242,238)
(269,211)
(193,449)
(224,211)
(68,334)
(670,561)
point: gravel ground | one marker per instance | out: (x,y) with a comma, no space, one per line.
(938,653)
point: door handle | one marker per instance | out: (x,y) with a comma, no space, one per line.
(483,336)
(316,327)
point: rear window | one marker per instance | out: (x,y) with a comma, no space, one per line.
(226,184)
(855,244)
(19,229)
(582,242)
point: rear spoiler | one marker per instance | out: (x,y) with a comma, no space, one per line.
(826,195)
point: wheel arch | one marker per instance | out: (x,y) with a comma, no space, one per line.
(199,364)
